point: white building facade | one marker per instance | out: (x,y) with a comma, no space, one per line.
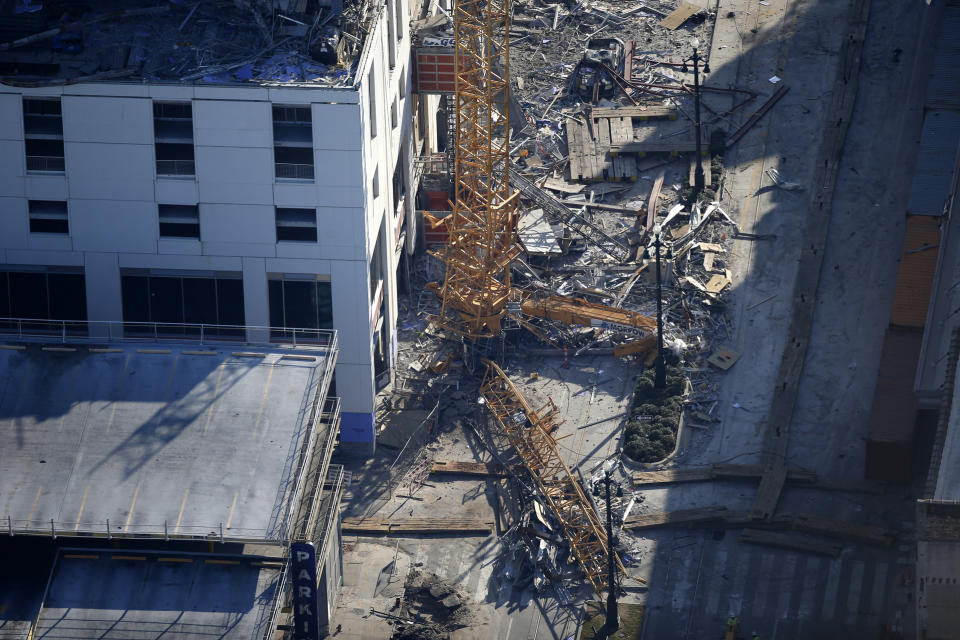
(229,204)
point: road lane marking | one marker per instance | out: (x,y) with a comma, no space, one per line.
(34,506)
(82,505)
(879,588)
(853,591)
(136,492)
(73,384)
(116,396)
(232,507)
(180,515)
(213,403)
(833,585)
(173,370)
(263,402)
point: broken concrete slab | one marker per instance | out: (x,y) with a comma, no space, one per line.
(537,235)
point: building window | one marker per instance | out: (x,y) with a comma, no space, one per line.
(293,143)
(391,33)
(376,265)
(398,5)
(43,134)
(402,85)
(43,294)
(394,114)
(173,138)
(375,183)
(299,302)
(297,225)
(48,216)
(205,298)
(372,97)
(179,220)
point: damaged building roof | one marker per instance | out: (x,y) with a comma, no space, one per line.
(261,42)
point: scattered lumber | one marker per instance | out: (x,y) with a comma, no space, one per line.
(456,467)
(789,541)
(682,516)
(403,526)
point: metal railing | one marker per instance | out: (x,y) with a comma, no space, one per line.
(176,168)
(98,331)
(215,531)
(432,164)
(294,171)
(46,163)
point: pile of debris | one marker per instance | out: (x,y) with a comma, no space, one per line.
(431,607)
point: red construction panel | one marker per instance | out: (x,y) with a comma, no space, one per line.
(435,70)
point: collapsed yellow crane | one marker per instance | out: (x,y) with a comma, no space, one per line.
(476,290)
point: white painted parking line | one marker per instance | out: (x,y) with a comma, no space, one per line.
(784,582)
(809,590)
(879,588)
(853,591)
(480,593)
(762,583)
(833,584)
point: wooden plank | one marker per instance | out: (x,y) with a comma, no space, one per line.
(819,212)
(707,178)
(676,144)
(789,541)
(641,112)
(482,469)
(654,196)
(840,529)
(682,516)
(679,15)
(397,526)
(666,476)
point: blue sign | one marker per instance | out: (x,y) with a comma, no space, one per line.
(303,569)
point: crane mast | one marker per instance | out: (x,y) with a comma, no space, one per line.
(476,286)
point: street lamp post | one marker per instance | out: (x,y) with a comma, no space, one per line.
(613,617)
(699,179)
(660,378)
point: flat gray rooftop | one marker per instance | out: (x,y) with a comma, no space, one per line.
(133,595)
(154,439)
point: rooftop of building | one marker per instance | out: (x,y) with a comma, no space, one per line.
(301,43)
(160,439)
(143,594)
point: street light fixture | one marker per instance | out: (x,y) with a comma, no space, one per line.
(699,179)
(660,378)
(613,616)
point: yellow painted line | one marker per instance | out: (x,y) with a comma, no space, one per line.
(212,561)
(104,350)
(128,557)
(173,370)
(13,347)
(82,504)
(248,354)
(213,403)
(184,560)
(267,564)
(263,402)
(292,357)
(136,492)
(73,384)
(60,349)
(232,507)
(160,351)
(32,508)
(81,556)
(116,396)
(199,353)
(180,515)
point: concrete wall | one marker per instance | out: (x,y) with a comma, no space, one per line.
(112,191)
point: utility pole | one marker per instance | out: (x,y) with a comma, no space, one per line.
(660,378)
(699,179)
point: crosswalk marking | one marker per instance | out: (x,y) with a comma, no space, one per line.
(810,579)
(480,593)
(684,581)
(879,588)
(785,585)
(716,585)
(739,580)
(763,585)
(853,591)
(833,584)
